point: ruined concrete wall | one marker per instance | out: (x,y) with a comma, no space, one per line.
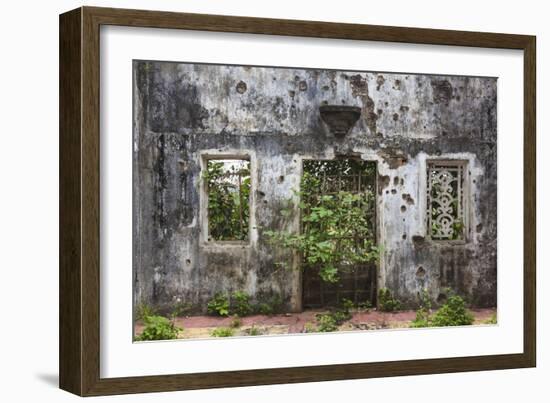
(182,111)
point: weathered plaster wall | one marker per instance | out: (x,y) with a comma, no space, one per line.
(184,111)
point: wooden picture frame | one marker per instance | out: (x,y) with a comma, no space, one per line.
(79,200)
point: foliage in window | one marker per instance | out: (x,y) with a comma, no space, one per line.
(338,231)
(446,201)
(228,187)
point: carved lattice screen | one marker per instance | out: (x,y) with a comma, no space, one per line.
(446,197)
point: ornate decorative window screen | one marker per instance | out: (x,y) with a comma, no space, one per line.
(446,191)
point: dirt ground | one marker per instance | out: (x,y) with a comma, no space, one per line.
(202,326)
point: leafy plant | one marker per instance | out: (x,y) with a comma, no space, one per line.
(222,332)
(254,331)
(329,322)
(453,313)
(364,306)
(235,323)
(144,310)
(219,305)
(326,323)
(386,302)
(423,314)
(240,303)
(347,304)
(336,233)
(158,328)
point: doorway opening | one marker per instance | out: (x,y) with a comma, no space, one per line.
(332,184)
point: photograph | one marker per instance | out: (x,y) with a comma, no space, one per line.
(275,200)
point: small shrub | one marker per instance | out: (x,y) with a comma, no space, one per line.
(269,306)
(329,322)
(364,306)
(423,314)
(386,302)
(158,328)
(453,313)
(222,332)
(240,303)
(235,323)
(254,331)
(347,305)
(309,328)
(218,305)
(326,323)
(144,310)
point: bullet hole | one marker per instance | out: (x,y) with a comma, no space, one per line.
(404,236)
(420,272)
(407,197)
(261,194)
(241,87)
(397,85)
(380,80)
(396,180)
(383,182)
(281,179)
(387,192)
(393,191)
(302,86)
(379,112)
(395,117)
(325,88)
(404,108)
(403,209)
(188,261)
(386,103)
(479,227)
(291,94)
(442,91)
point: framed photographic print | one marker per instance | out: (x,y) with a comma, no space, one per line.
(249,201)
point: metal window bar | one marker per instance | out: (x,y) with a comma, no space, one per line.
(355,177)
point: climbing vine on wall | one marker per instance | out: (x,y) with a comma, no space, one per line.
(337,231)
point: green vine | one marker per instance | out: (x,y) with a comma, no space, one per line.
(337,232)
